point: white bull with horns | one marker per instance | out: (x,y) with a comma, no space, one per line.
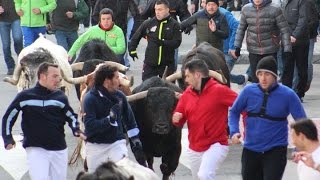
(25,76)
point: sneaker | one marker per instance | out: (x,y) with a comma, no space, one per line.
(246,77)
(10,71)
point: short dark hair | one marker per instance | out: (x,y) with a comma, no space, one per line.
(306,127)
(106,11)
(197,65)
(164,2)
(43,68)
(104,72)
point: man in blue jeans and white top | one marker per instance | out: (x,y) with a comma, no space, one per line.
(268,105)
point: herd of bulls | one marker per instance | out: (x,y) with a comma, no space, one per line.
(152,102)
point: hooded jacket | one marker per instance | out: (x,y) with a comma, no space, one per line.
(265,26)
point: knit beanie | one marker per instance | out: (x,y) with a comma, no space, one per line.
(267,64)
(215,1)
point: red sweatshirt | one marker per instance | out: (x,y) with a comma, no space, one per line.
(206,114)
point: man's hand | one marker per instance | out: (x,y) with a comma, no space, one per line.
(1,10)
(176,117)
(212,25)
(10,146)
(187,30)
(133,55)
(236,138)
(20,13)
(80,134)
(237,52)
(36,11)
(293,39)
(233,54)
(69,14)
(305,157)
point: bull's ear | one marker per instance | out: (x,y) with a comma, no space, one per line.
(131,178)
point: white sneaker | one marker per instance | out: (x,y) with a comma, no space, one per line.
(246,77)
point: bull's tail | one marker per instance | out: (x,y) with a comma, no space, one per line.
(76,153)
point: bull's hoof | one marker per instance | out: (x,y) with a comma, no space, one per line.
(10,80)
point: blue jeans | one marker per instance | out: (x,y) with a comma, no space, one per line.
(5,30)
(129,28)
(30,34)
(238,79)
(310,66)
(66,39)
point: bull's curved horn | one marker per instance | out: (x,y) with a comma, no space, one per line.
(219,77)
(72,80)
(137,96)
(174,76)
(124,81)
(77,66)
(16,75)
(164,75)
(118,65)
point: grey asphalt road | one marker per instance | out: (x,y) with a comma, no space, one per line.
(12,163)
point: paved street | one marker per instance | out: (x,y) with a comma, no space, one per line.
(13,163)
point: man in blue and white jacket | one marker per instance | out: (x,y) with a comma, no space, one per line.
(268,105)
(107,113)
(45,112)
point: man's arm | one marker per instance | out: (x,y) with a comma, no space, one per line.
(148,12)
(141,32)
(82,11)
(8,121)
(178,117)
(302,21)
(223,31)
(51,5)
(189,22)
(234,114)
(182,10)
(79,43)
(285,31)
(241,30)
(295,107)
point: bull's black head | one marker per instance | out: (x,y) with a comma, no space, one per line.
(160,103)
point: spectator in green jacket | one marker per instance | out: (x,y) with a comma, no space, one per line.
(65,21)
(106,30)
(33,15)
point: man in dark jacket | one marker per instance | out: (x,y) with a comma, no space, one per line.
(10,21)
(107,113)
(266,27)
(212,26)
(65,21)
(295,12)
(163,35)
(45,112)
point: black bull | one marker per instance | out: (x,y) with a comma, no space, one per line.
(153,114)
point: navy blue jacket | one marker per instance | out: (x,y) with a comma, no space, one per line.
(98,128)
(44,114)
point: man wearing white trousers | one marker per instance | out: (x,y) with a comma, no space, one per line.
(45,112)
(204,106)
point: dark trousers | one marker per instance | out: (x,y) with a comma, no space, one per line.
(267,165)
(299,57)
(254,59)
(150,71)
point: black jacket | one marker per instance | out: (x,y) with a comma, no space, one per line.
(98,129)
(168,30)
(177,8)
(120,11)
(44,115)
(9,14)
(295,12)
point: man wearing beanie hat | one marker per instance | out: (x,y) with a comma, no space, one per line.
(268,105)
(212,25)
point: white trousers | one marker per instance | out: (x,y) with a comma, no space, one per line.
(99,153)
(205,164)
(47,165)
